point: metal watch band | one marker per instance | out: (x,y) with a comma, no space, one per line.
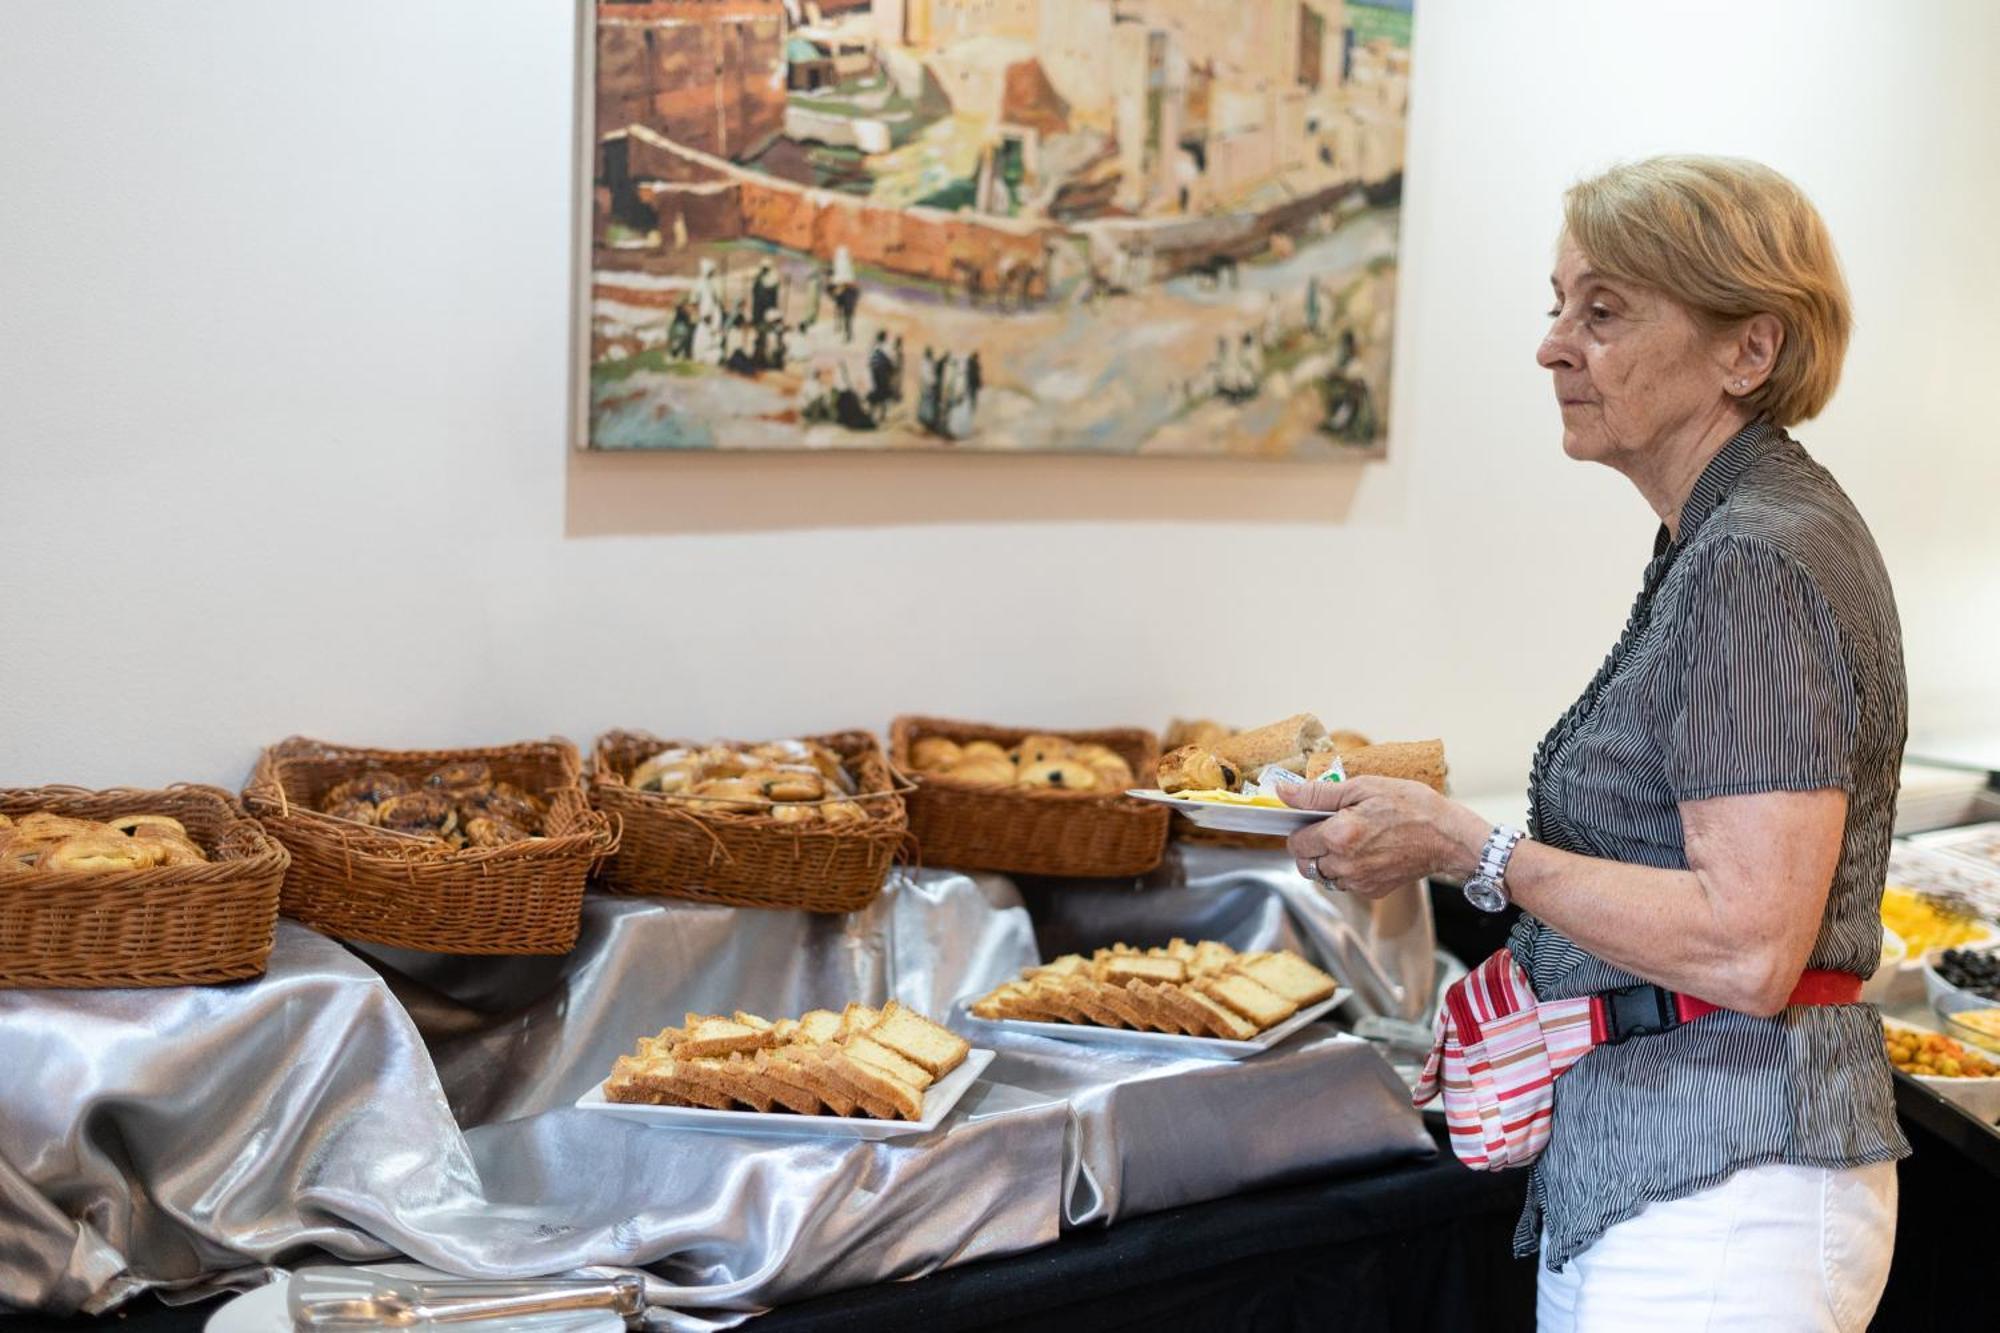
(1487,889)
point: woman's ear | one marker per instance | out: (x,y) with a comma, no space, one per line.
(1752,354)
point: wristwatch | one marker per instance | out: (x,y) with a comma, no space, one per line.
(1487,889)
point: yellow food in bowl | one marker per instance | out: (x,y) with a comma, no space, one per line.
(1222,797)
(1925,925)
(1979,1026)
(1932,1055)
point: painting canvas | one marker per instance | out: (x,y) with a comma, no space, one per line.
(1128,227)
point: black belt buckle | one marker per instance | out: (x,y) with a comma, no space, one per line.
(1644,1010)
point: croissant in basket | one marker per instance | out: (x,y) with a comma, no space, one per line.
(1038,761)
(46,842)
(455,805)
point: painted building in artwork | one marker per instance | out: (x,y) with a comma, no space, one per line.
(706,73)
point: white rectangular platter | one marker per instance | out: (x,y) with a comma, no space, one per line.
(1235,818)
(1164,1044)
(939,1098)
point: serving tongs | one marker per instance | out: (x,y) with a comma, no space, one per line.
(334,1300)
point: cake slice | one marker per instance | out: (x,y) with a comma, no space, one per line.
(1152,997)
(1087,995)
(994,1003)
(883,1095)
(762,1075)
(1211,956)
(1120,1001)
(799,1068)
(817,1026)
(725,1076)
(932,1045)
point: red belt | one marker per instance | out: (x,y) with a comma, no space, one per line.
(1647,1010)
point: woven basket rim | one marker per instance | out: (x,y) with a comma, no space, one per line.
(266,797)
(261,855)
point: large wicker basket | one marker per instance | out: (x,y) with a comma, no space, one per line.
(675,849)
(167,926)
(1032,831)
(362,883)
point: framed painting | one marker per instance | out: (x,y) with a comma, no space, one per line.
(1144,227)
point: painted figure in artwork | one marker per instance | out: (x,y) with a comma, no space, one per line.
(1112,226)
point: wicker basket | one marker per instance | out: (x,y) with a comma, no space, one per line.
(167,926)
(1032,831)
(673,849)
(362,883)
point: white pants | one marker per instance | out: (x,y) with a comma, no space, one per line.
(1776,1249)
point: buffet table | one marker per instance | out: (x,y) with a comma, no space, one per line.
(363,1103)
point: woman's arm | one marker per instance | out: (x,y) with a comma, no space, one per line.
(1734,929)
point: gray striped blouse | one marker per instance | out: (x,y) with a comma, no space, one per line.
(1762,654)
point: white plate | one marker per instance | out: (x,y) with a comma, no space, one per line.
(1234,818)
(939,1098)
(1161,1043)
(263,1310)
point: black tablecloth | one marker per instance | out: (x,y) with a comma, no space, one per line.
(1421,1246)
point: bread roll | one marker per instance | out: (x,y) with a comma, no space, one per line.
(1066,774)
(934,754)
(1192,768)
(1291,739)
(1417,761)
(1196,731)
(995,770)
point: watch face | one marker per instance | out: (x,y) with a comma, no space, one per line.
(1485,895)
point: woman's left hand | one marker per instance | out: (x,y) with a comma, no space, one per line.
(1382,834)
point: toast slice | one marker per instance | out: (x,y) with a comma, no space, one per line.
(889,1062)
(830,1081)
(1164,1017)
(994,1003)
(1250,998)
(757,1071)
(1087,995)
(719,1036)
(909,1034)
(1288,975)
(817,1027)
(1225,1023)
(857,1019)
(1068,965)
(1211,956)
(1121,1001)
(882,1094)
(800,1068)
(725,1075)
(1138,967)
(755,1023)
(1191,1016)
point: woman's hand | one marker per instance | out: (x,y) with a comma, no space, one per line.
(1382,834)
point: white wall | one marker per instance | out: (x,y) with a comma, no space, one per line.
(284,298)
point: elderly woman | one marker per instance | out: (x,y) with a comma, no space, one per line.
(1712,815)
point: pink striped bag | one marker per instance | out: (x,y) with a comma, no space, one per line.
(1497,1056)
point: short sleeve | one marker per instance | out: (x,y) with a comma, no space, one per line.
(1759,694)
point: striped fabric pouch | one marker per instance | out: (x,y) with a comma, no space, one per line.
(1496,1059)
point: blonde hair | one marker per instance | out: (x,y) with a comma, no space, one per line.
(1726,239)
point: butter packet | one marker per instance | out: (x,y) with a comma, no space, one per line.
(1273,776)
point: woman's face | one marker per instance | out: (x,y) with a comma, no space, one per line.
(1632,368)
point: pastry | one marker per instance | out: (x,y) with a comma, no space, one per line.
(1192,768)
(1416,761)
(795,814)
(1108,764)
(130,824)
(982,750)
(375,786)
(668,771)
(994,770)
(1041,750)
(1198,731)
(101,850)
(843,812)
(1063,773)
(935,754)
(719,761)
(426,813)
(1286,743)
(787,784)
(470,775)
(492,831)
(729,795)
(361,812)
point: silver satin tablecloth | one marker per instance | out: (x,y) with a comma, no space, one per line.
(187,1138)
